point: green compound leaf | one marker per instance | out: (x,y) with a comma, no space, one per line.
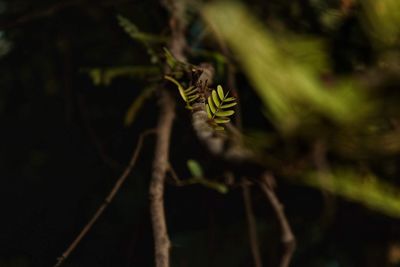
(188,95)
(218,107)
(180,87)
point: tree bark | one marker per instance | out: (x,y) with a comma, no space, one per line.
(160,166)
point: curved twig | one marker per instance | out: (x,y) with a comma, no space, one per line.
(287,238)
(107,200)
(251,222)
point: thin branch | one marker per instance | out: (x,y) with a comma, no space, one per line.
(160,167)
(267,186)
(177,46)
(173,174)
(251,223)
(177,24)
(107,200)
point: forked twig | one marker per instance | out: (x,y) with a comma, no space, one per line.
(107,200)
(252,226)
(287,238)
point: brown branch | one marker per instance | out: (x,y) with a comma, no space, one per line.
(173,174)
(251,223)
(160,167)
(267,186)
(177,46)
(107,200)
(177,24)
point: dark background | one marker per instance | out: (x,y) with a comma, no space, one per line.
(63,144)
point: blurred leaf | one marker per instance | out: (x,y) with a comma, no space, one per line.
(260,140)
(367,190)
(134,32)
(305,50)
(220,187)
(219,59)
(194,168)
(287,86)
(145,38)
(137,104)
(95,75)
(105,76)
(332,18)
(170,59)
(382,20)
(198,178)
(368,144)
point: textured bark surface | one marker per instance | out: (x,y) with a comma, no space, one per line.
(177,46)
(160,166)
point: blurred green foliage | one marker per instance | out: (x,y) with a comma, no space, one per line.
(288,85)
(105,76)
(137,104)
(286,73)
(366,189)
(382,20)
